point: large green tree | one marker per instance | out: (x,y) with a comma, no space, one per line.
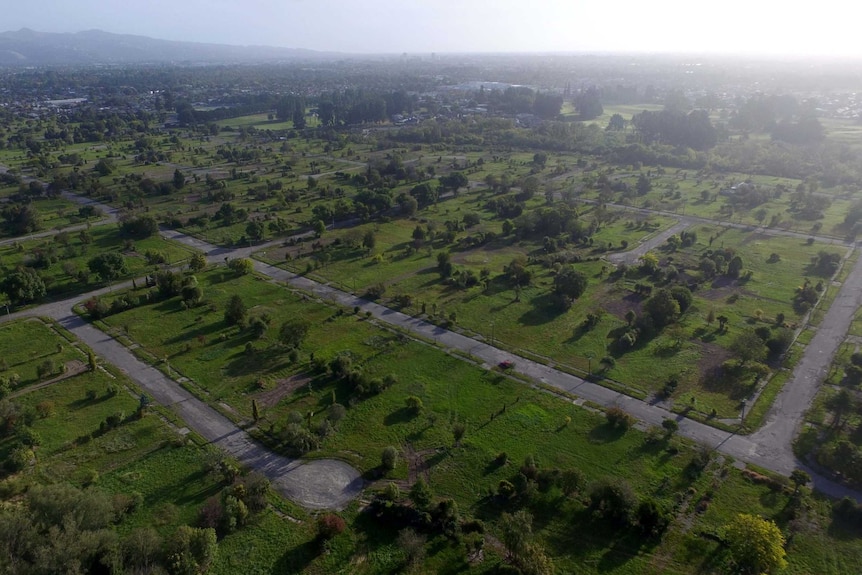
(662,307)
(756,544)
(293,332)
(108,266)
(23,285)
(569,285)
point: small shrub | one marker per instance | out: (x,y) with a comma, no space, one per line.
(618,418)
(329,526)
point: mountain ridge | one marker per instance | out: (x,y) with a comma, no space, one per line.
(27,47)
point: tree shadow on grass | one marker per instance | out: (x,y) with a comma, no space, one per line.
(543,311)
(194,334)
(401,415)
(245,364)
(296,560)
(705,335)
(171,305)
(605,433)
(716,381)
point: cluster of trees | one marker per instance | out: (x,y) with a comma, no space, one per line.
(20,219)
(662,308)
(62,529)
(359,106)
(23,285)
(842,453)
(520,100)
(237,504)
(693,130)
(420,514)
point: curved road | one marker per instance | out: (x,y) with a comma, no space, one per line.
(320,484)
(314,484)
(771,447)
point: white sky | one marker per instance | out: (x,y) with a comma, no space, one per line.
(827,27)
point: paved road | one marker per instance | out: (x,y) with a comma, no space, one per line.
(770,448)
(314,484)
(631,257)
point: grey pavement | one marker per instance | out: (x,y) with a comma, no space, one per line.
(770,447)
(631,257)
(314,484)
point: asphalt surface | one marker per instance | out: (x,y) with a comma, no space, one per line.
(314,484)
(331,484)
(770,448)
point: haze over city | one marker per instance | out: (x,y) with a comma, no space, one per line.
(422,26)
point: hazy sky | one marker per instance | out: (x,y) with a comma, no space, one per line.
(395,26)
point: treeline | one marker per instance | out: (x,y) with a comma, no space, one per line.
(360,106)
(520,100)
(693,130)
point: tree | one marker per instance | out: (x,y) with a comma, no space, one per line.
(618,418)
(444,264)
(569,284)
(756,544)
(458,431)
(369,240)
(179,180)
(139,228)
(241,266)
(749,347)
(616,124)
(662,307)
(613,499)
(192,294)
(414,404)
(319,227)
(734,267)
(589,104)
(683,297)
(710,317)
(516,531)
(20,219)
(670,426)
(389,458)
(142,549)
(190,551)
(643,186)
(293,332)
(255,230)
(329,525)
(424,194)
(413,546)
(651,519)
(800,479)
(197,262)
(571,481)
(421,494)
(235,313)
(108,266)
(168,283)
(23,285)
(649,262)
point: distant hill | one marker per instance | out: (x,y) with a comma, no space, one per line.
(27,47)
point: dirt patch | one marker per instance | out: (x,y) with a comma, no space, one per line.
(417,464)
(711,358)
(283,388)
(719,292)
(619,307)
